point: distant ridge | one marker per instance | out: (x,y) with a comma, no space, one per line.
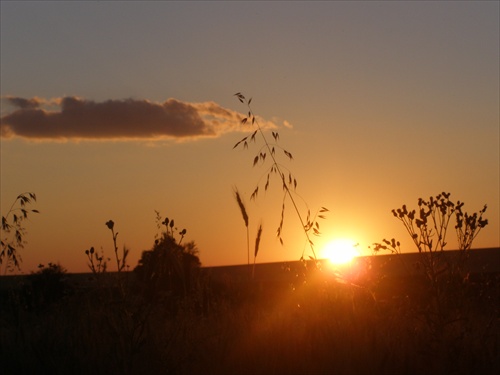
(481,261)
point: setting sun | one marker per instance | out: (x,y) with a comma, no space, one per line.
(340,251)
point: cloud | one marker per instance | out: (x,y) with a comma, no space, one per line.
(129,119)
(24,103)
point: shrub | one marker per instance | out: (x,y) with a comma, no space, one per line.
(445,300)
(46,286)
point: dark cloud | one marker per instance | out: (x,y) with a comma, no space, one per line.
(24,103)
(77,119)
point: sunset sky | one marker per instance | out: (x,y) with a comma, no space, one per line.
(112,110)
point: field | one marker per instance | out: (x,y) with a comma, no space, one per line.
(292,318)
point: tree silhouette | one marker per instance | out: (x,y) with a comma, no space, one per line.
(170,268)
(47,286)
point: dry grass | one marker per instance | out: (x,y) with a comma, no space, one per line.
(320,327)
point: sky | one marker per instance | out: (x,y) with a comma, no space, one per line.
(114,110)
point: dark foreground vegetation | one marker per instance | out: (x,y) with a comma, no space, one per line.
(307,321)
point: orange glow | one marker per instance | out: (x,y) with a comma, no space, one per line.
(340,251)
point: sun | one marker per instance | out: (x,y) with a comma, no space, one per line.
(340,251)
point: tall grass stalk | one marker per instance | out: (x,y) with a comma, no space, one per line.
(244,214)
(256,251)
(289,183)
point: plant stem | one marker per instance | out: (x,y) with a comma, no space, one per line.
(285,185)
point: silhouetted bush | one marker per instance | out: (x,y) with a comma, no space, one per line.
(46,286)
(169,268)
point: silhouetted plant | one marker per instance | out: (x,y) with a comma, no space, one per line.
(256,250)
(13,231)
(446,276)
(121,263)
(97,264)
(288,181)
(169,266)
(122,314)
(48,285)
(428,230)
(244,214)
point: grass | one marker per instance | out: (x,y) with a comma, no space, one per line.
(269,150)
(317,327)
